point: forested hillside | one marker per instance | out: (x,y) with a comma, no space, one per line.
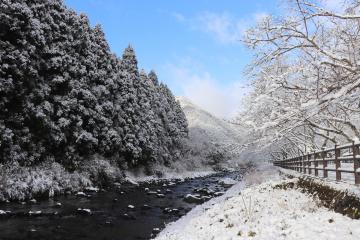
(65,97)
(215,142)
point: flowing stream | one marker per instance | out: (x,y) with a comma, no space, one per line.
(128,212)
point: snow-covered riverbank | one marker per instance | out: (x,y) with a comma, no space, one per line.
(257,209)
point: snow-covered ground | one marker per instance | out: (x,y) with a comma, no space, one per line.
(253,209)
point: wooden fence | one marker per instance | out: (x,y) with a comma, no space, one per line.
(344,159)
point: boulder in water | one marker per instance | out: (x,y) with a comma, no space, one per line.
(80,194)
(227,182)
(84,211)
(129,216)
(216,194)
(145,207)
(92,189)
(34,213)
(160,195)
(193,199)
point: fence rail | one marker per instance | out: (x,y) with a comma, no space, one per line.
(345,159)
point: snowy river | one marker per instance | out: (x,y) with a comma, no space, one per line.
(130,212)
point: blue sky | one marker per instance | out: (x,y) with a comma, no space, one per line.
(192,45)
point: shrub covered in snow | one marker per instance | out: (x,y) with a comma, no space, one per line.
(102,172)
(50,178)
(45,180)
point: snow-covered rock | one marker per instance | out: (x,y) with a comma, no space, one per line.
(145,207)
(171,184)
(84,211)
(34,213)
(227,182)
(160,195)
(129,216)
(216,194)
(132,181)
(151,193)
(81,194)
(193,199)
(92,189)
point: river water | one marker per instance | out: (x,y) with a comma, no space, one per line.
(111,217)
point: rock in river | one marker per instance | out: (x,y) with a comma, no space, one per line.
(193,199)
(160,195)
(145,207)
(129,216)
(84,211)
(227,182)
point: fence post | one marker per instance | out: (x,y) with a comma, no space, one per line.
(309,163)
(294,164)
(289,164)
(325,172)
(303,164)
(337,163)
(355,150)
(316,164)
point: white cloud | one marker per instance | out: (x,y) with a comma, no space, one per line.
(334,5)
(260,16)
(205,91)
(178,16)
(224,27)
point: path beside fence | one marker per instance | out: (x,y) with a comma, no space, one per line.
(343,160)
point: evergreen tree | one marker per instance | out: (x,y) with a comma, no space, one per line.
(65,97)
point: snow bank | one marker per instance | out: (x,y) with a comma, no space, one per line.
(169,174)
(262,212)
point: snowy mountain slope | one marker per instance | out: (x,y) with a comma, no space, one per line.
(209,135)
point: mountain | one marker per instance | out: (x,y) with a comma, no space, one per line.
(215,140)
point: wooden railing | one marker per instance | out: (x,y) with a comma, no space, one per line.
(344,159)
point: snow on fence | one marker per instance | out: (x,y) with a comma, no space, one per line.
(341,162)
